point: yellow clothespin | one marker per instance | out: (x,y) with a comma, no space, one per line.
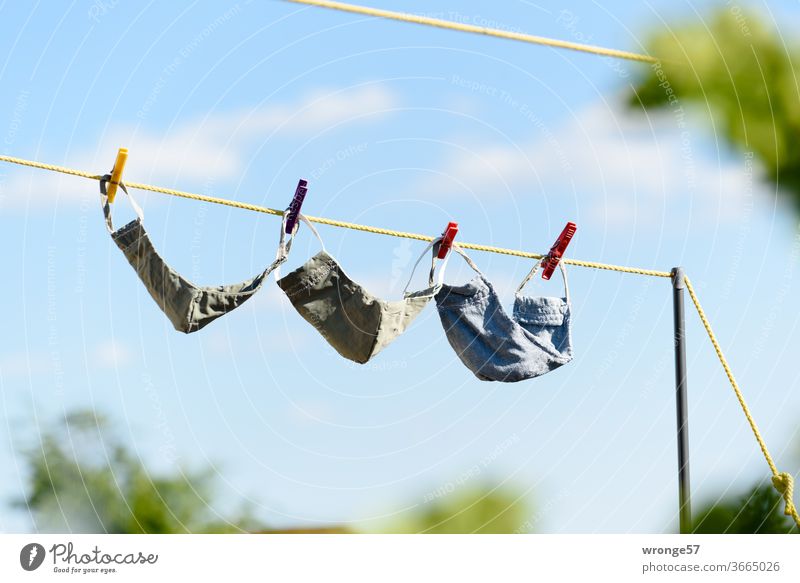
(116,173)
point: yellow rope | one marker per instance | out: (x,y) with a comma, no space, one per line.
(51,167)
(450,25)
(325,221)
(782,481)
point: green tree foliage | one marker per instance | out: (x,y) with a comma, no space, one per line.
(740,72)
(479,510)
(760,511)
(744,77)
(82,479)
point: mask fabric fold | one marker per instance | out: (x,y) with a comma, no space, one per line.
(187,306)
(354,322)
(496,347)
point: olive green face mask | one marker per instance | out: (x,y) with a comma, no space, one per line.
(356,323)
(189,307)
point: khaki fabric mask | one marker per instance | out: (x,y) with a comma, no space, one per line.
(188,307)
(356,323)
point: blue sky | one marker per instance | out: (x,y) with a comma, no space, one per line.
(403,127)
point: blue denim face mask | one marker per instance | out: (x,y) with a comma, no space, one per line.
(496,347)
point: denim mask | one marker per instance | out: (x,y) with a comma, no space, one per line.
(188,307)
(356,323)
(496,347)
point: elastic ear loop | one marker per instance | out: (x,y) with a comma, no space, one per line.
(455,248)
(533,271)
(107,205)
(428,247)
(285,246)
(466,257)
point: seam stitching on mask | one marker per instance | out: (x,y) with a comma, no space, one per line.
(192,325)
(125,228)
(547,317)
(479,297)
(311,278)
(117,235)
(543,323)
(376,336)
(222,293)
(135,243)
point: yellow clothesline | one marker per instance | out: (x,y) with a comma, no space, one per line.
(326,221)
(782,481)
(471,28)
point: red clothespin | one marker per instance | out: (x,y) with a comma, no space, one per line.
(296,205)
(550,262)
(447,239)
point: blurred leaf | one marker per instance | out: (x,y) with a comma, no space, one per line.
(82,479)
(479,510)
(739,72)
(760,511)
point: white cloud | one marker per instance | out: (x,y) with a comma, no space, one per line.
(26,364)
(620,165)
(112,354)
(311,412)
(213,147)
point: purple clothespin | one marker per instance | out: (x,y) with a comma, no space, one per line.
(295,205)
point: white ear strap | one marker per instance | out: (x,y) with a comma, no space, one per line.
(440,279)
(313,230)
(530,275)
(466,257)
(433,245)
(535,268)
(107,205)
(564,275)
(285,246)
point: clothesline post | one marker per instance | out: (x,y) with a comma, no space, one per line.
(684,492)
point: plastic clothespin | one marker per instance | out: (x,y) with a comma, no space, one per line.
(296,205)
(116,173)
(550,262)
(447,239)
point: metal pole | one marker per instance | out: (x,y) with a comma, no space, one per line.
(684,493)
